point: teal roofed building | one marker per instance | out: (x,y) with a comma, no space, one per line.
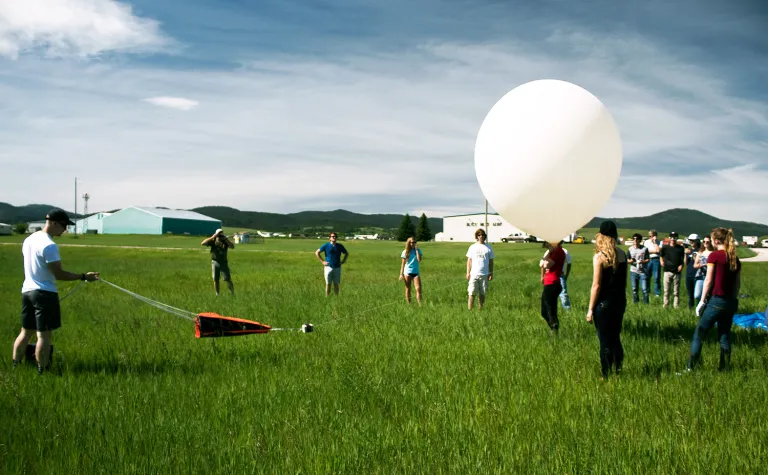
(145,220)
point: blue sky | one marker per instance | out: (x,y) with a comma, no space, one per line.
(284,106)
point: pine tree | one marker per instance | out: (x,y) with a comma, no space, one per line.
(406,229)
(423,232)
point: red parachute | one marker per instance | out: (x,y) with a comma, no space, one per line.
(210,325)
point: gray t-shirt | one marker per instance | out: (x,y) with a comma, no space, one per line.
(638,255)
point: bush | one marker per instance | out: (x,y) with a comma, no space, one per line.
(20,228)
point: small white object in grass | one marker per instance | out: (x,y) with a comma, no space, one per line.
(306,328)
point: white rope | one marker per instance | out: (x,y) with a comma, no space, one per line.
(159,305)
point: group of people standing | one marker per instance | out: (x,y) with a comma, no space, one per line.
(720,276)
(650,259)
(713,279)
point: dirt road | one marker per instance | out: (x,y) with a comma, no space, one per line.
(762,255)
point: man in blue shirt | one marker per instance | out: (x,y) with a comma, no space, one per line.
(332,263)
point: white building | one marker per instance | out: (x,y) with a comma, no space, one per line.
(35,226)
(462,227)
(92,224)
(6,229)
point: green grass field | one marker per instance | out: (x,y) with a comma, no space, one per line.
(379,386)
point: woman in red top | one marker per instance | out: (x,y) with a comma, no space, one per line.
(551,270)
(722,288)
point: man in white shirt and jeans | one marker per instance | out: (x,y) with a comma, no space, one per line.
(479,269)
(40,311)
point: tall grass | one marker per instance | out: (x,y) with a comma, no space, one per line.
(380,386)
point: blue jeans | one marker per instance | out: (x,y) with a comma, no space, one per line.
(565,300)
(697,289)
(642,279)
(690,287)
(654,272)
(718,311)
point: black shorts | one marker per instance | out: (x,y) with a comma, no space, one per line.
(40,310)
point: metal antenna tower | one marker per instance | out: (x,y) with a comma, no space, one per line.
(86,197)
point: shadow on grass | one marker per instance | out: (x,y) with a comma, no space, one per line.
(682,332)
(219,361)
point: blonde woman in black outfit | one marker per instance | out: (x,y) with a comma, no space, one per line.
(608,298)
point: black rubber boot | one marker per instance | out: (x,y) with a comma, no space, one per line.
(725,360)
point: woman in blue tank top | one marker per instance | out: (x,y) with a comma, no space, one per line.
(608,298)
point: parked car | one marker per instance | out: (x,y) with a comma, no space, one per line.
(517,237)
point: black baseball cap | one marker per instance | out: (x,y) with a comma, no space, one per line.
(673,234)
(608,228)
(59,216)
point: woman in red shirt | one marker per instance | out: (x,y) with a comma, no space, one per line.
(551,269)
(721,287)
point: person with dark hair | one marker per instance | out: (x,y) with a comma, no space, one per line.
(220,244)
(551,270)
(673,259)
(332,262)
(479,269)
(638,261)
(608,297)
(701,267)
(691,254)
(654,264)
(40,310)
(719,298)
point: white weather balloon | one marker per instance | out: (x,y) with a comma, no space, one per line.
(547,157)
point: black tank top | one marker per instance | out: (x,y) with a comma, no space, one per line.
(613,285)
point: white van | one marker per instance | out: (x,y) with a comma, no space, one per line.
(765,243)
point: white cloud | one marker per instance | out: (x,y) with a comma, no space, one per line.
(75,28)
(734,193)
(386,133)
(179,103)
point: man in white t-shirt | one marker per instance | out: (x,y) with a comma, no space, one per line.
(479,269)
(40,311)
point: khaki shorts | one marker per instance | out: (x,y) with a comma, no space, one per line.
(478,284)
(332,275)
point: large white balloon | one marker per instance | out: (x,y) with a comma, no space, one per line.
(548,156)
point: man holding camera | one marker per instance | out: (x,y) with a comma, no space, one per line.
(220,244)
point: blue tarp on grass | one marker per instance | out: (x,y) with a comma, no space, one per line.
(754,320)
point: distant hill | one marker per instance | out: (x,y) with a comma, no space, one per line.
(10,214)
(305,222)
(309,222)
(685,222)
